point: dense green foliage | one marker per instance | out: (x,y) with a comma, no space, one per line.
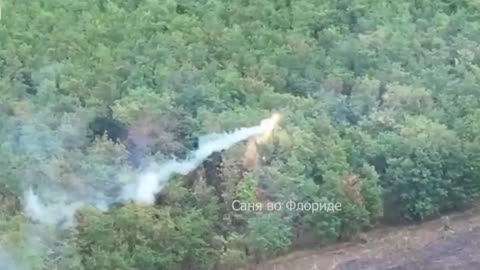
(380,105)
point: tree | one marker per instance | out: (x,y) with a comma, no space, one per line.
(425,169)
(270,235)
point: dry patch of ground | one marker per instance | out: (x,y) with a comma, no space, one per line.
(427,246)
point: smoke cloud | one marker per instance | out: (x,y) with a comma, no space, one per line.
(6,261)
(149,182)
(51,198)
(153,180)
(99,184)
(53,214)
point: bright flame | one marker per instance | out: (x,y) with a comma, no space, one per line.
(268,125)
(250,158)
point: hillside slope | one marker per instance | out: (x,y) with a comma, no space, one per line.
(421,247)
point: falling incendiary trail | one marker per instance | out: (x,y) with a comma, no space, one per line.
(152,181)
(250,158)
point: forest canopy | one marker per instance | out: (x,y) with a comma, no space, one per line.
(380,106)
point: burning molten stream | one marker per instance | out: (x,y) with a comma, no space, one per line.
(251,156)
(268,125)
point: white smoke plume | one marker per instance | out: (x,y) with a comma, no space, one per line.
(61,210)
(150,182)
(60,213)
(7,262)
(153,180)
